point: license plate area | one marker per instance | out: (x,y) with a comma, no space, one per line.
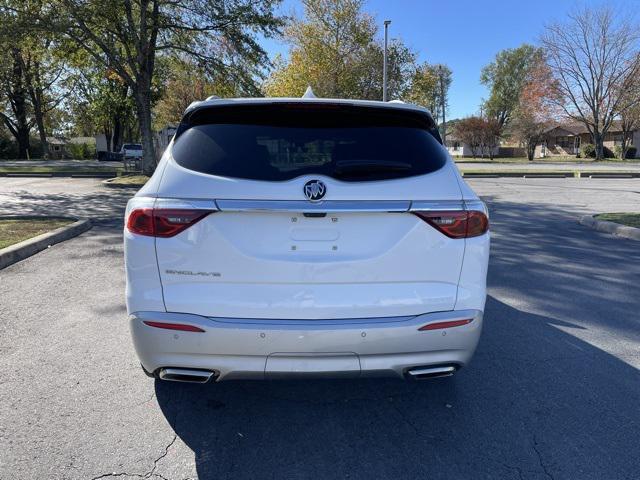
(312,365)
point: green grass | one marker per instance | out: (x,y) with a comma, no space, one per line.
(139,180)
(628,219)
(16,230)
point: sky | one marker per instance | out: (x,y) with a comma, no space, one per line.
(464,34)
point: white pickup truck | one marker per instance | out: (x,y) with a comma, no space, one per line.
(131,150)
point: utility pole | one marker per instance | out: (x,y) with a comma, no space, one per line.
(384,61)
(444,105)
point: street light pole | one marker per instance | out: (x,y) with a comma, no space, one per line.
(443,103)
(384,61)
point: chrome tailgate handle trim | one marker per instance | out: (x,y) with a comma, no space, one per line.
(328,206)
(436,205)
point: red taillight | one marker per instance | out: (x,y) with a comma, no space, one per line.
(163,222)
(140,221)
(447,324)
(173,326)
(457,223)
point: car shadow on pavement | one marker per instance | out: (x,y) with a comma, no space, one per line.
(536,402)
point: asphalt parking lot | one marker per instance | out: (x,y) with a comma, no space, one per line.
(553,391)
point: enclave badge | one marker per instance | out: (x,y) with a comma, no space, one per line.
(314,190)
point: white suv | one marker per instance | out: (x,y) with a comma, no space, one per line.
(305,237)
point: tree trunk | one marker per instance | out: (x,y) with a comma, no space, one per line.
(22,138)
(531,149)
(117,133)
(598,141)
(19,105)
(37,111)
(35,92)
(143,107)
(107,137)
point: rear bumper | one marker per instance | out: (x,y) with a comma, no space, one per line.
(258,349)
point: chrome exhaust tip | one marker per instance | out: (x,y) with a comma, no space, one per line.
(185,375)
(423,373)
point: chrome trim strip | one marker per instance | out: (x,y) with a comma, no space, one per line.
(435,206)
(327,206)
(188,203)
(476,205)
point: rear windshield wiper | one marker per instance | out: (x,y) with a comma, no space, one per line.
(360,166)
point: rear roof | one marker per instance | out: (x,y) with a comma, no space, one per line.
(220,102)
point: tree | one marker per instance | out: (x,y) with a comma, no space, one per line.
(479,133)
(15,111)
(42,71)
(533,114)
(630,116)
(629,122)
(334,50)
(186,82)
(505,77)
(489,136)
(430,88)
(127,36)
(104,103)
(594,57)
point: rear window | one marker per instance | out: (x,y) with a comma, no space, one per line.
(132,146)
(277,142)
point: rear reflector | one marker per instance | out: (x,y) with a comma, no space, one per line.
(163,222)
(173,326)
(456,223)
(447,324)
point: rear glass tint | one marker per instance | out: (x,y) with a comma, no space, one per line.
(277,142)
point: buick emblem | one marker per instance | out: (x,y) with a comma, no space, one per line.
(314,190)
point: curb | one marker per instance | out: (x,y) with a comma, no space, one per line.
(610,227)
(107,183)
(31,246)
(622,174)
(66,174)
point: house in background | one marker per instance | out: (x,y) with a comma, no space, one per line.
(56,147)
(458,148)
(74,147)
(565,140)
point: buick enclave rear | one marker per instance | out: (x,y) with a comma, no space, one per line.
(305,237)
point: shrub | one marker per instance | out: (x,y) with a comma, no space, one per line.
(80,151)
(588,150)
(8,148)
(618,151)
(631,152)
